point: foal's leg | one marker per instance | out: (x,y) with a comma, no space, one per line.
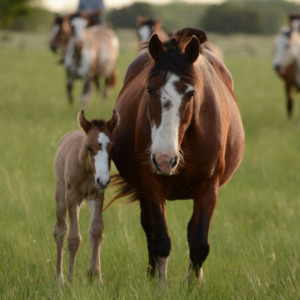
(95,235)
(205,198)
(86,92)
(60,227)
(73,201)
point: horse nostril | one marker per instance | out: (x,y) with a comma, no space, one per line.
(155,164)
(174,161)
(98,181)
(277,68)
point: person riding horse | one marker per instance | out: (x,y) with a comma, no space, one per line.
(93,10)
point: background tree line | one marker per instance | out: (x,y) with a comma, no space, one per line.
(232,16)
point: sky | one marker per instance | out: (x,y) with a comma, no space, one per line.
(70,5)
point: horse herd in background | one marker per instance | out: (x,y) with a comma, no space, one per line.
(175,133)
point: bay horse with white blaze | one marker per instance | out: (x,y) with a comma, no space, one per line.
(180,137)
(81,166)
(92,53)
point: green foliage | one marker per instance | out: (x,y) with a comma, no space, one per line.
(255,228)
(126,17)
(10,9)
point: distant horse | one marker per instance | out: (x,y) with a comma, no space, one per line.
(180,137)
(61,34)
(147,26)
(286,61)
(82,163)
(91,54)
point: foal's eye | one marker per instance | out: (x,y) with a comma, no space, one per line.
(89,149)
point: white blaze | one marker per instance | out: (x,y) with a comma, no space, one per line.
(144,32)
(165,137)
(101,160)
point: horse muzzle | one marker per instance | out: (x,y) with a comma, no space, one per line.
(53,48)
(165,164)
(102,185)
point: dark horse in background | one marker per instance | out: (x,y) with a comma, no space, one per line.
(180,137)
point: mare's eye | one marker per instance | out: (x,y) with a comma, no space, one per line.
(149,90)
(89,149)
(189,95)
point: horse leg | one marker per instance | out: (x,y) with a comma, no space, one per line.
(147,226)
(205,198)
(60,227)
(85,96)
(95,235)
(97,83)
(288,89)
(70,87)
(74,238)
(161,241)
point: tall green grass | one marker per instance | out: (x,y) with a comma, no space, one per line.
(254,234)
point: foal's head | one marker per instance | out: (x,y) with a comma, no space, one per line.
(61,32)
(171,91)
(98,146)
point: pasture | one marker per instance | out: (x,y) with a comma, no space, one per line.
(254,235)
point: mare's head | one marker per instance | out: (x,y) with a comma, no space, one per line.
(98,146)
(171,91)
(61,32)
(287,48)
(145,27)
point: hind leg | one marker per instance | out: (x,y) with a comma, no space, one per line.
(95,235)
(70,87)
(74,239)
(288,89)
(60,227)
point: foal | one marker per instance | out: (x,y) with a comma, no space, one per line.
(81,166)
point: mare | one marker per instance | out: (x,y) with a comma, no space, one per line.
(286,62)
(180,137)
(81,166)
(146,26)
(91,54)
(61,33)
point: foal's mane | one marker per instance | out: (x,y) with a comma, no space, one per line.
(173,59)
(98,123)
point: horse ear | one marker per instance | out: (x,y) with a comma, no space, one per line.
(83,122)
(113,123)
(156,47)
(192,49)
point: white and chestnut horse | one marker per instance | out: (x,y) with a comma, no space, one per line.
(286,62)
(81,166)
(92,53)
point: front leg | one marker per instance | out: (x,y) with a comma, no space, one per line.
(86,92)
(159,241)
(205,198)
(74,239)
(95,235)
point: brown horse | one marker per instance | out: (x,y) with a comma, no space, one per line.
(92,54)
(81,167)
(180,137)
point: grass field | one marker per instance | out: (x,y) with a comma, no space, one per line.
(255,231)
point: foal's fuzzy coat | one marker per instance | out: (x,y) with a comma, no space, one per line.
(81,168)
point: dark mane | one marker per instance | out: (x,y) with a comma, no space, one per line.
(98,123)
(174,59)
